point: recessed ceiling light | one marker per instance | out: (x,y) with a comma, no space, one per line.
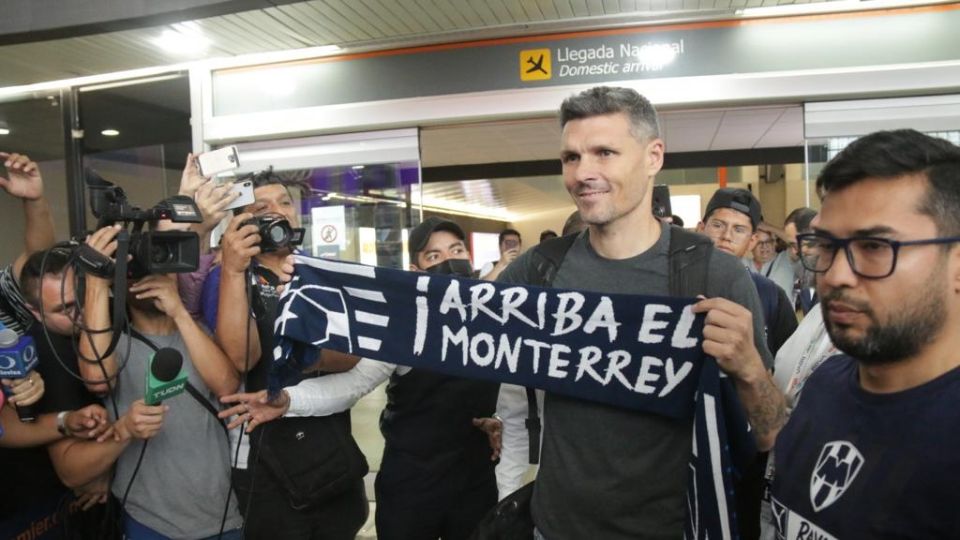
(109,133)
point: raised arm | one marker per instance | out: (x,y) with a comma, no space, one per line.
(24,182)
(208,359)
(240,243)
(728,336)
(96,318)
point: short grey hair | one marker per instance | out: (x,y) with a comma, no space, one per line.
(602,100)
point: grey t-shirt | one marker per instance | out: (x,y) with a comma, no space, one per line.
(614,473)
(183,483)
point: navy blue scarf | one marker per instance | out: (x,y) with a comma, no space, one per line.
(636,352)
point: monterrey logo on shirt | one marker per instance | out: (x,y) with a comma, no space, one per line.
(836,468)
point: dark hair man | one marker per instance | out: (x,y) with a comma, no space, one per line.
(870,451)
(436,479)
(178,487)
(248,341)
(611,151)
(509,249)
(27,466)
(731,221)
(65,410)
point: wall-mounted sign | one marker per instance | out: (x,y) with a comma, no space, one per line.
(881,38)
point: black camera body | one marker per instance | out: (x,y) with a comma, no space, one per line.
(276,232)
(152,252)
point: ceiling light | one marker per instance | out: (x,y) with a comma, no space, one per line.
(357,167)
(4,131)
(109,133)
(183,39)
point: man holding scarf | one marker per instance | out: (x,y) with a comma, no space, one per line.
(608,472)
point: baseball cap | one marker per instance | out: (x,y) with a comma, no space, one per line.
(737,199)
(420,234)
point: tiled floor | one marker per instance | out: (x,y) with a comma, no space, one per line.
(365,417)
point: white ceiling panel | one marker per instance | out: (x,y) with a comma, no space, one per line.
(356,25)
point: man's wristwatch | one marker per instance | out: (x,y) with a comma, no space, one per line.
(62,423)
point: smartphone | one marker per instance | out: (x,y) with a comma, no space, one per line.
(661,201)
(245,190)
(218,161)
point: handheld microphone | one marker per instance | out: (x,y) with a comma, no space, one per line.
(18,357)
(165,377)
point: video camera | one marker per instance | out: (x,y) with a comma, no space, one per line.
(152,252)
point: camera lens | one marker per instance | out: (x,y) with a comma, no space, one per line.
(160,253)
(277,234)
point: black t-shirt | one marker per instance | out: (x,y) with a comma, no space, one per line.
(29,470)
(853,464)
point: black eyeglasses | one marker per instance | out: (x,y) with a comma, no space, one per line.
(868,256)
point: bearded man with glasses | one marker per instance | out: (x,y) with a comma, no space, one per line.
(870,452)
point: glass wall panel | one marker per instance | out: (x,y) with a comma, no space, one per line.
(137,135)
(356,203)
(34,126)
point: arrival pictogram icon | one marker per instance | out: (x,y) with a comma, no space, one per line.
(535,65)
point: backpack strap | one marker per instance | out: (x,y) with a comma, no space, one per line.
(533,425)
(547,257)
(688,263)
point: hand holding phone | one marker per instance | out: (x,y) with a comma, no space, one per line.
(218,161)
(244,191)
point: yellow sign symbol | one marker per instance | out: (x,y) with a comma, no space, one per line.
(535,65)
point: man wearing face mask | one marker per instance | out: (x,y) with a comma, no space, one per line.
(436,479)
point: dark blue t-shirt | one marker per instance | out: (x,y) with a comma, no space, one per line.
(853,464)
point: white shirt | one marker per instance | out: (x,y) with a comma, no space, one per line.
(338,392)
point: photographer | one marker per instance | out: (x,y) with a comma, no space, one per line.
(509,243)
(283,484)
(436,479)
(179,486)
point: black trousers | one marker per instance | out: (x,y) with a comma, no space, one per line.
(419,500)
(268,514)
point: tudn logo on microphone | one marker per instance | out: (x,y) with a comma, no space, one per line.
(837,467)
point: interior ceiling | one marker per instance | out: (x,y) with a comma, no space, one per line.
(357,25)
(353,25)
(682,131)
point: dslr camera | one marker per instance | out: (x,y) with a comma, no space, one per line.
(152,252)
(276,232)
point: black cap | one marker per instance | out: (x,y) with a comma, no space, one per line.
(737,199)
(420,234)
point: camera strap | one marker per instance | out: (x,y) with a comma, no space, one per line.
(192,390)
